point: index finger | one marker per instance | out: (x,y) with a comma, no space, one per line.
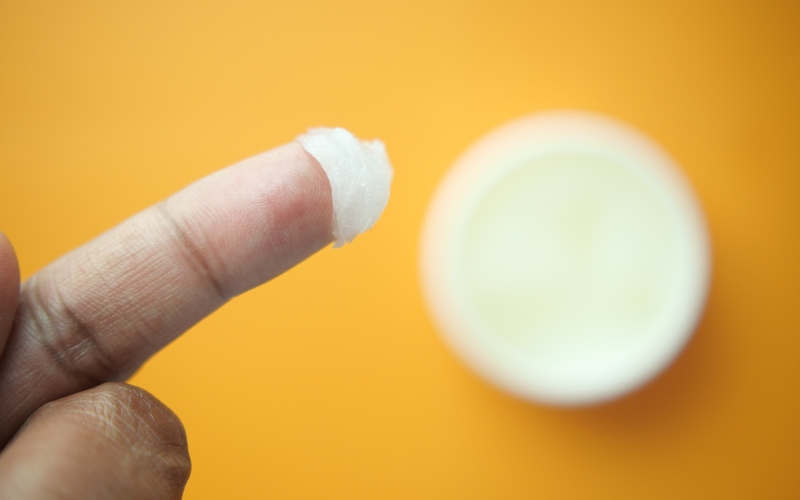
(98,313)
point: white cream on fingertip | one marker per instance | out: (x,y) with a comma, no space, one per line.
(360,176)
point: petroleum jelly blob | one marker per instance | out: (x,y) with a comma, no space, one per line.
(360,175)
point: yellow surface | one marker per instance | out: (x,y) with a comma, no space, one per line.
(330,382)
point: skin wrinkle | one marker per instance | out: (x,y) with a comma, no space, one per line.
(134,420)
(127,316)
(76,342)
(157,430)
(197,259)
(212,254)
(279,241)
(115,311)
(88,347)
(25,395)
(136,281)
(120,306)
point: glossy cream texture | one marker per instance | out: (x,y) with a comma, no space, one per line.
(360,176)
(568,256)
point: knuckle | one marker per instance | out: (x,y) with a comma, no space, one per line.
(63,335)
(199,258)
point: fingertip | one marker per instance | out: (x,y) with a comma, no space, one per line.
(258,218)
(307,218)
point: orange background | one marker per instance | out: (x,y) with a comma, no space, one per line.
(331,382)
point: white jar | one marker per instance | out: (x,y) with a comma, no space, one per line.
(565,259)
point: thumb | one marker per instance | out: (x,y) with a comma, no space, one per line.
(115,441)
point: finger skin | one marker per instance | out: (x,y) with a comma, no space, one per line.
(115,441)
(98,313)
(9,288)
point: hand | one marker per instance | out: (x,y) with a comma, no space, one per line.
(73,332)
